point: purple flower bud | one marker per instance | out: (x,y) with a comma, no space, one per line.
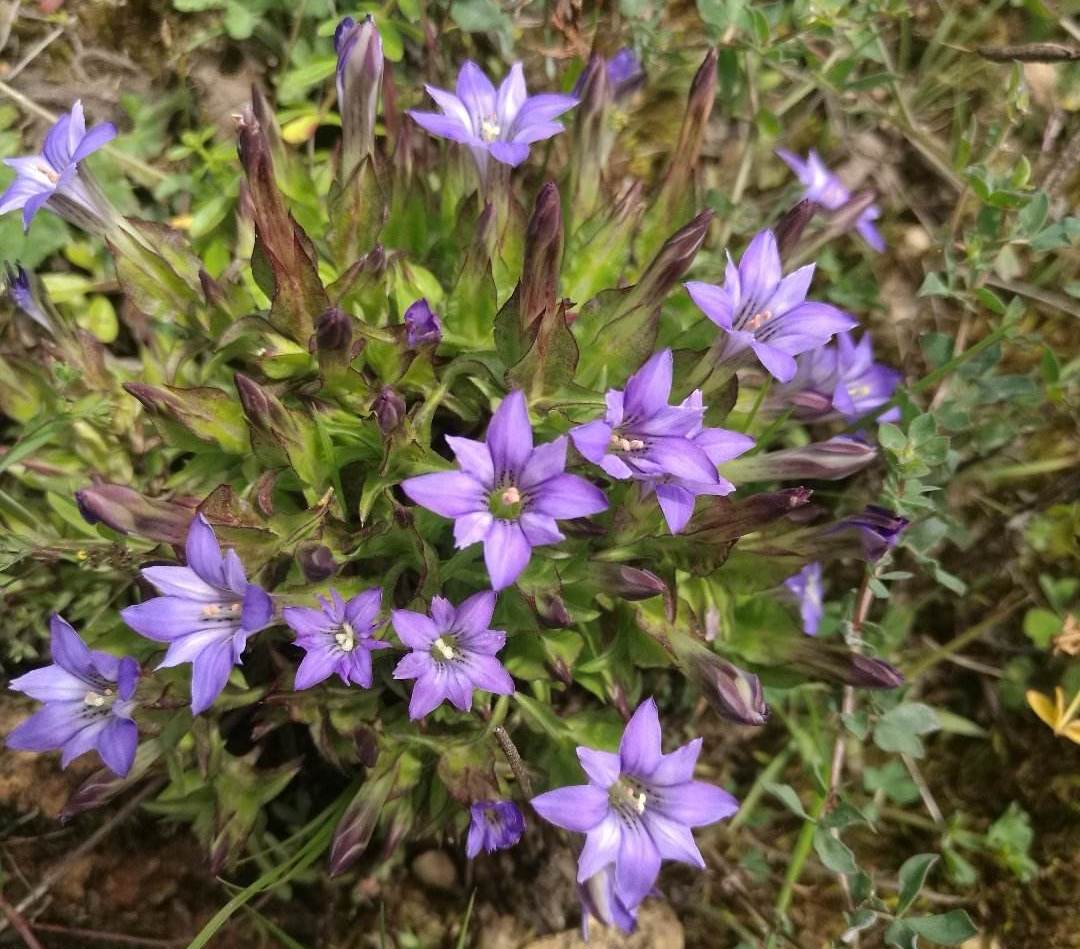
(389,409)
(316,562)
(672,261)
(878,527)
(359,78)
(543,258)
(807,589)
(264,411)
(725,520)
(831,460)
(126,510)
(841,665)
(692,133)
(357,825)
(733,693)
(422,326)
(791,225)
(24,295)
(496,825)
(551,610)
(333,332)
(630,583)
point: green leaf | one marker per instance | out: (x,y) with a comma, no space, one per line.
(834,853)
(948,929)
(912,877)
(901,935)
(899,729)
(1041,626)
(1032,217)
(785,793)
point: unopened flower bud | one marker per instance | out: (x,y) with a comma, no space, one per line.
(389,409)
(841,665)
(316,562)
(125,510)
(359,78)
(791,225)
(543,258)
(422,325)
(698,109)
(830,460)
(551,609)
(630,583)
(671,262)
(353,832)
(206,413)
(333,332)
(733,693)
(26,295)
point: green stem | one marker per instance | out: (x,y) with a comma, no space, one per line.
(769,774)
(799,855)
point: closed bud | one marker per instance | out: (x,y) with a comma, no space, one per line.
(727,520)
(699,106)
(359,78)
(103,785)
(125,510)
(593,137)
(316,562)
(354,831)
(389,409)
(629,583)
(543,258)
(264,411)
(789,228)
(333,332)
(213,294)
(26,294)
(551,609)
(875,529)
(841,665)
(733,693)
(672,261)
(830,460)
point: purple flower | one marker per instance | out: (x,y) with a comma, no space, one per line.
(624,75)
(643,437)
(453,652)
(496,825)
(760,310)
(421,324)
(638,807)
(507,494)
(502,124)
(206,613)
(21,291)
(807,588)
(841,379)
(53,177)
(824,188)
(338,637)
(599,899)
(89,698)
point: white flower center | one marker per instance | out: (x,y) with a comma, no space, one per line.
(511,495)
(97,699)
(627,797)
(223,611)
(489,128)
(758,320)
(621,443)
(446,647)
(48,171)
(346,638)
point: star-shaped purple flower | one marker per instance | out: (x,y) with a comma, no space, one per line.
(840,379)
(760,310)
(422,325)
(338,637)
(638,807)
(824,188)
(453,652)
(496,825)
(643,437)
(808,591)
(89,697)
(507,494)
(206,613)
(502,124)
(52,177)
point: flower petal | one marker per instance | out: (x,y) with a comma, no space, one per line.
(473,458)
(638,864)
(672,839)
(602,767)
(509,435)
(759,268)
(648,389)
(694,803)
(117,743)
(566,496)
(579,807)
(639,749)
(545,462)
(476,92)
(69,651)
(601,847)
(183,582)
(678,766)
(209,674)
(448,493)
(416,630)
(506,553)
(474,614)
(677,505)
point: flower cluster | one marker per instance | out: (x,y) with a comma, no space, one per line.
(323,483)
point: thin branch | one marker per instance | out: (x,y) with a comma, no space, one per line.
(1030,53)
(514,759)
(19,924)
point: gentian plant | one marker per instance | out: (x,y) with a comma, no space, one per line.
(446,491)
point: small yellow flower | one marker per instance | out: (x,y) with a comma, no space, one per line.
(1062,720)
